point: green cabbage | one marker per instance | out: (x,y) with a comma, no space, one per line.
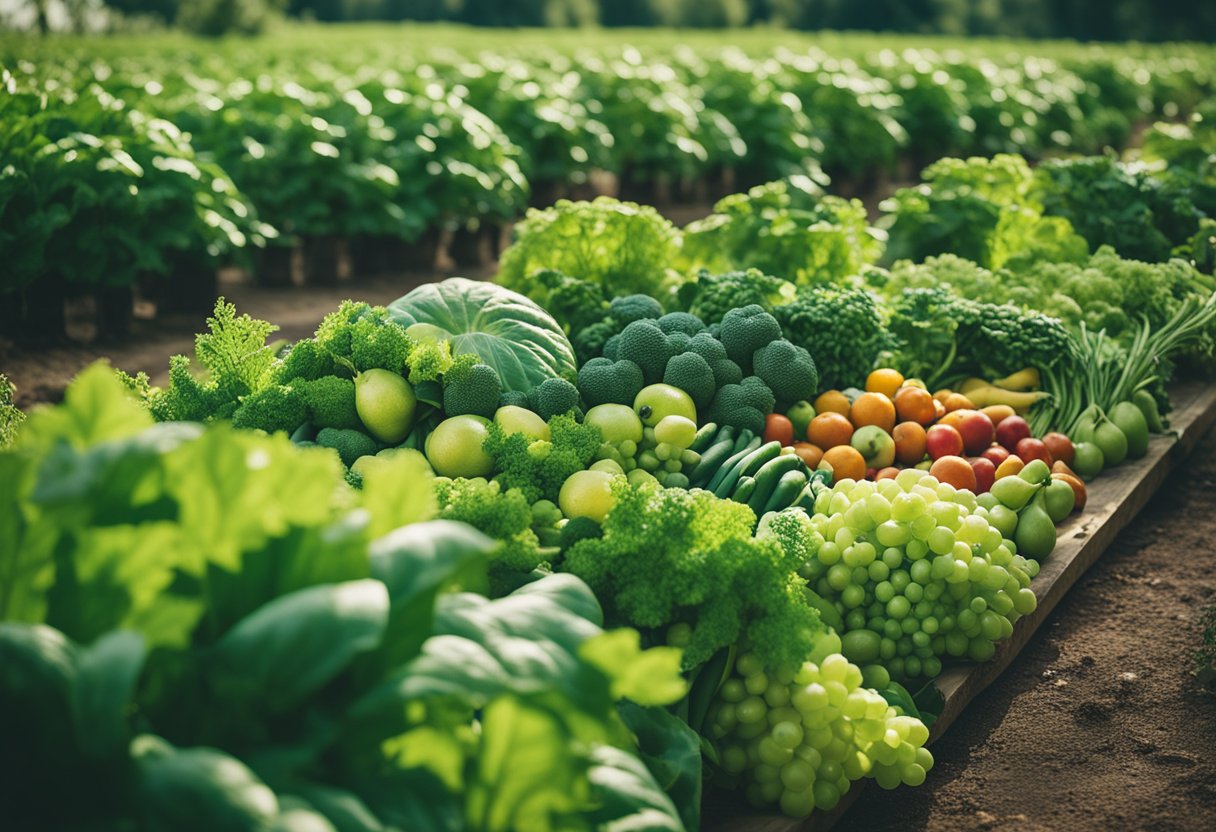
(509,332)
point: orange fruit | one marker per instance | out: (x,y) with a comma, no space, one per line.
(846,463)
(912,404)
(957,401)
(873,409)
(833,401)
(943,394)
(997,412)
(885,381)
(954,470)
(909,442)
(888,473)
(827,430)
(808,453)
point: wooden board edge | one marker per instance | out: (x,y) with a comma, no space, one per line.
(1122,494)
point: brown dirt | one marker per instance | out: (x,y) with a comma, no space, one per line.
(1098,724)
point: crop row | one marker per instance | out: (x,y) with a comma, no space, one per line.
(143,168)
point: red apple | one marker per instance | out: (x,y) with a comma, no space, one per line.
(1011,431)
(1030,448)
(943,440)
(1061,447)
(985,474)
(995,453)
(977,430)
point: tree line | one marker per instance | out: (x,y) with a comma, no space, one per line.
(1086,20)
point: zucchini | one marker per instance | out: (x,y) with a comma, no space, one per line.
(767,477)
(746,465)
(788,488)
(744,439)
(744,490)
(705,437)
(729,465)
(711,461)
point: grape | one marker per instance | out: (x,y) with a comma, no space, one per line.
(919,564)
(825,730)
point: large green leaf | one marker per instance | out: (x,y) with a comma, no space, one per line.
(509,332)
(648,677)
(629,798)
(399,492)
(416,563)
(105,686)
(672,752)
(289,648)
(198,790)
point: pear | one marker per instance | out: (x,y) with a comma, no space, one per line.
(1130,419)
(1112,440)
(1059,499)
(1035,535)
(1014,492)
(1036,471)
(385,403)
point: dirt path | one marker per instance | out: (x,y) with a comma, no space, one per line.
(1098,724)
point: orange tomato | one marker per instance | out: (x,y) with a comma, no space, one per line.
(954,470)
(809,454)
(909,442)
(885,381)
(873,409)
(846,462)
(833,401)
(912,404)
(827,430)
(778,428)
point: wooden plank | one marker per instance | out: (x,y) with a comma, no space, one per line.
(1115,498)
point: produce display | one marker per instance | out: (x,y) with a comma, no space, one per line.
(198,157)
(657,512)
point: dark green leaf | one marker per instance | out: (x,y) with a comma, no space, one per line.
(630,799)
(672,752)
(105,686)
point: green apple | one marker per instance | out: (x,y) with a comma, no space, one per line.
(587,494)
(366,463)
(617,422)
(514,419)
(385,403)
(427,333)
(875,445)
(800,414)
(658,401)
(454,447)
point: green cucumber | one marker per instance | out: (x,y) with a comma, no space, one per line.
(705,437)
(769,475)
(726,468)
(744,490)
(744,439)
(711,461)
(749,464)
(788,488)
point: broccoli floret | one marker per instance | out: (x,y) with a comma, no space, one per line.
(553,397)
(185,399)
(10,416)
(579,528)
(274,408)
(331,402)
(305,360)
(690,325)
(576,302)
(601,381)
(354,479)
(350,444)
(643,343)
(539,468)
(707,346)
(429,361)
(365,336)
(743,405)
(589,342)
(789,371)
(612,347)
(632,308)
(842,329)
(678,342)
(726,372)
(711,296)
(474,389)
(513,398)
(746,330)
(502,514)
(692,374)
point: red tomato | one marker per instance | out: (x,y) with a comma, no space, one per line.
(778,428)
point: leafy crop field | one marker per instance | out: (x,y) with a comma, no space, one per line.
(657,513)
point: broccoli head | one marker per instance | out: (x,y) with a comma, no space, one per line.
(690,325)
(471,389)
(331,402)
(842,329)
(643,343)
(589,341)
(365,336)
(502,514)
(612,347)
(305,360)
(743,405)
(513,398)
(632,308)
(579,528)
(692,374)
(726,372)
(745,330)
(554,396)
(601,381)
(788,370)
(711,296)
(186,398)
(350,444)
(574,301)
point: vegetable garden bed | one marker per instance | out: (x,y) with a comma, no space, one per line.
(1114,501)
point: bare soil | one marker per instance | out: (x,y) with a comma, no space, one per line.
(1097,725)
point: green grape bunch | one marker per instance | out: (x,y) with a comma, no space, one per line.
(918,571)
